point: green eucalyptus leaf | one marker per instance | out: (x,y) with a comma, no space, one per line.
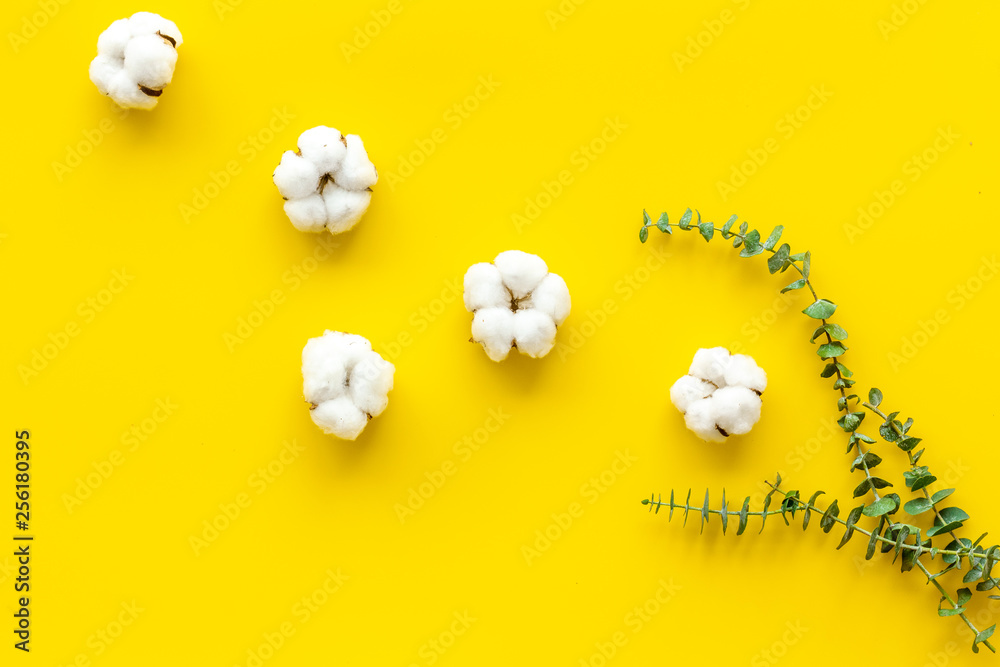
(873,540)
(880,507)
(851,421)
(963,597)
(707,230)
(685,221)
(663,224)
(868,459)
(852,518)
(917,506)
(941,495)
(812,503)
(772,240)
(875,397)
(743,515)
(643,234)
(820,309)
(798,284)
(704,512)
(982,637)
(950,514)
(835,331)
(906,444)
(807,264)
(726,227)
(829,519)
(831,350)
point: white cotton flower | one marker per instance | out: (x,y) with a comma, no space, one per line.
(516,302)
(720,395)
(135,59)
(327,183)
(345,382)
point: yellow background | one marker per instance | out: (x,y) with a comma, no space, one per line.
(561,75)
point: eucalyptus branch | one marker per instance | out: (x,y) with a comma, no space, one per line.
(889,535)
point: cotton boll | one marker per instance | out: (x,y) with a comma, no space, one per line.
(723,388)
(330,166)
(744,371)
(295,176)
(125,91)
(356,171)
(494,329)
(112,41)
(700,418)
(710,364)
(168,28)
(102,71)
(144,23)
(737,409)
(136,59)
(150,61)
(687,390)
(483,288)
(534,332)
(307,214)
(551,297)
(340,417)
(344,207)
(345,382)
(352,349)
(324,379)
(324,147)
(370,383)
(521,271)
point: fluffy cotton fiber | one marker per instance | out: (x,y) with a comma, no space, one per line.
(135,59)
(720,395)
(345,382)
(327,182)
(515,302)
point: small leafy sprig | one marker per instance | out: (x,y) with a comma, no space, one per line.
(905,540)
